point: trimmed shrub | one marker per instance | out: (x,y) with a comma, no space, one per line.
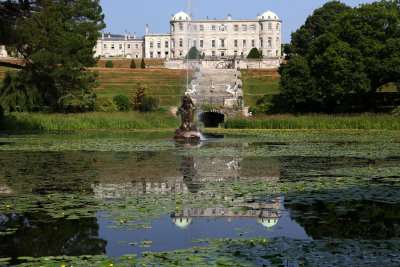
(193,53)
(254,53)
(149,104)
(133,64)
(142,64)
(109,64)
(122,102)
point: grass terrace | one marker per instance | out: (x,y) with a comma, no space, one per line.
(167,85)
(259,82)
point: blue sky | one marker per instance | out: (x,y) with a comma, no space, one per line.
(133,15)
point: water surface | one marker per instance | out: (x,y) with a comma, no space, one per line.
(125,193)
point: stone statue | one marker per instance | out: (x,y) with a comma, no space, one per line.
(191,91)
(187,131)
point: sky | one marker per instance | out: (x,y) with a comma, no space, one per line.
(133,15)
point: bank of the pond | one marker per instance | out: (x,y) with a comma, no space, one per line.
(89,121)
(316,121)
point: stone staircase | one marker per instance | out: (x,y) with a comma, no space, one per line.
(223,79)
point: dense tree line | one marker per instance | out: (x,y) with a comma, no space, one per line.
(341,51)
(55,39)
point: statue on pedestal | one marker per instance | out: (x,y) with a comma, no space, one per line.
(187,131)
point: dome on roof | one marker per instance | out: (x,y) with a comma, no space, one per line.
(269,222)
(182,222)
(269,15)
(181,16)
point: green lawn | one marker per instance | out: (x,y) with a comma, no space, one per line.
(259,82)
(167,85)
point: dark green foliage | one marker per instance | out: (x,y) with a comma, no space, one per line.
(288,50)
(142,64)
(194,53)
(270,104)
(109,64)
(12,15)
(78,102)
(296,84)
(1,113)
(357,54)
(19,92)
(316,25)
(133,64)
(122,101)
(56,39)
(254,53)
(149,104)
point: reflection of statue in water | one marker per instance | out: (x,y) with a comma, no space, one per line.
(187,131)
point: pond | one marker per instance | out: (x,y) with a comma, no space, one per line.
(242,197)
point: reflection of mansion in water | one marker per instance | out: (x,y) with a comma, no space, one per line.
(194,171)
(212,37)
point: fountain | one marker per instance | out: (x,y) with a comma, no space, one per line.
(187,132)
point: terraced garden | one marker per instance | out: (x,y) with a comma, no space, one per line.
(167,85)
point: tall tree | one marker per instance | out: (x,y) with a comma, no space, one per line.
(56,40)
(357,54)
(361,51)
(316,25)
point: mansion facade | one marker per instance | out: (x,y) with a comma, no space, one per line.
(213,38)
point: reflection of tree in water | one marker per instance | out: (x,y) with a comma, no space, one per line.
(45,172)
(348,219)
(39,235)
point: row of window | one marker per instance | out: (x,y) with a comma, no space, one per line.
(158,54)
(223,27)
(166,44)
(128,46)
(222,54)
(222,43)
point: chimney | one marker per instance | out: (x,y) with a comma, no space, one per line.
(258,16)
(134,35)
(109,35)
(229,17)
(126,37)
(129,35)
(102,35)
(147,29)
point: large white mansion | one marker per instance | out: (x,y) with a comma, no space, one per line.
(213,38)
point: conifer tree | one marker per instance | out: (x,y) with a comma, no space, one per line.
(56,40)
